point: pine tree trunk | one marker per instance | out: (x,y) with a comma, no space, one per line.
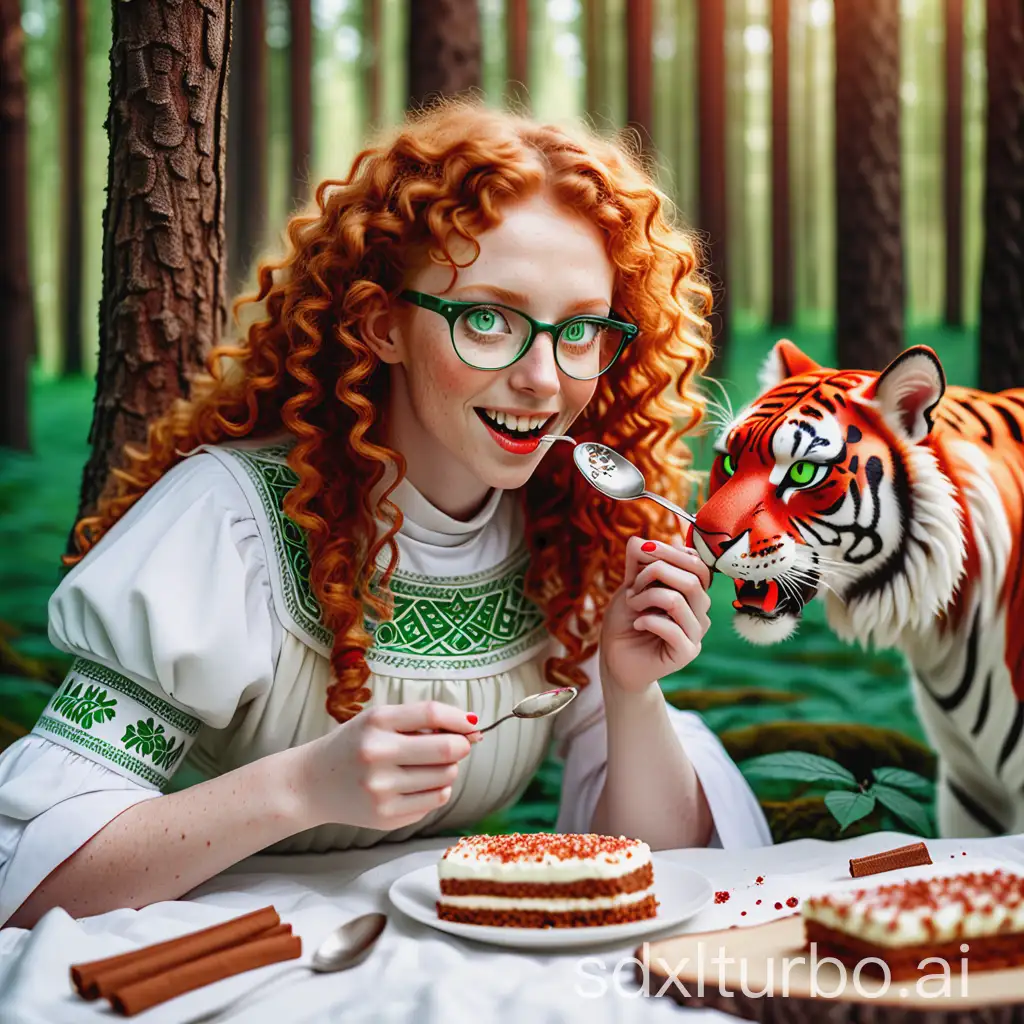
(953,165)
(869,240)
(711,154)
(300,65)
(782,236)
(163,300)
(444,51)
(247,152)
(517,35)
(73,185)
(1001,335)
(373,77)
(17,314)
(640,70)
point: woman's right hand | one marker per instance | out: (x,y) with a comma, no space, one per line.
(386,767)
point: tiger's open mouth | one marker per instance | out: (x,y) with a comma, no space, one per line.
(768,600)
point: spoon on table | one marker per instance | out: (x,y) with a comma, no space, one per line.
(614,476)
(345,947)
(538,705)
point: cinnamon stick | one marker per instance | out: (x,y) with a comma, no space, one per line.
(225,963)
(128,974)
(195,944)
(890,860)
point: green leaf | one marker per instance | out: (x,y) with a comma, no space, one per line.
(904,807)
(847,808)
(900,778)
(798,766)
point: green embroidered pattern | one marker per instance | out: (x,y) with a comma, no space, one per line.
(150,741)
(458,621)
(107,750)
(150,701)
(84,709)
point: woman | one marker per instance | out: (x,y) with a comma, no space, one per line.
(351,548)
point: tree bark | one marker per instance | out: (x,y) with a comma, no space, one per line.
(163,300)
(711,153)
(517,34)
(953,165)
(73,190)
(300,67)
(374,67)
(1001,336)
(247,152)
(640,70)
(17,314)
(444,50)
(869,240)
(782,236)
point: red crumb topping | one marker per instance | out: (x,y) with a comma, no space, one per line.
(792,901)
(974,891)
(518,846)
(722,896)
(758,902)
(759,880)
(778,906)
(743,913)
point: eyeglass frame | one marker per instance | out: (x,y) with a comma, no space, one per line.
(452,310)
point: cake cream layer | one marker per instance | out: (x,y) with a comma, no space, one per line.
(542,858)
(553,904)
(967,906)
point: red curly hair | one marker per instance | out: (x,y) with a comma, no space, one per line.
(302,368)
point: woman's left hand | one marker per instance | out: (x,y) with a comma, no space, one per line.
(650,630)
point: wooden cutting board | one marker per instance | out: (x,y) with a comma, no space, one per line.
(766,981)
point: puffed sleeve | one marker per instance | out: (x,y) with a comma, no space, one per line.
(581,743)
(170,621)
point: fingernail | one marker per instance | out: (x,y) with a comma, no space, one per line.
(649,546)
(472,719)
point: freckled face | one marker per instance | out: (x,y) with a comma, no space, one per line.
(542,259)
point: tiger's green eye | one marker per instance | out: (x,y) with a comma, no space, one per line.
(728,466)
(802,472)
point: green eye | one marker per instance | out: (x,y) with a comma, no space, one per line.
(728,466)
(802,473)
(483,320)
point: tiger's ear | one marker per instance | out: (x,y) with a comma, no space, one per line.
(908,390)
(784,360)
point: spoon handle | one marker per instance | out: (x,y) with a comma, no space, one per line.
(671,506)
(488,728)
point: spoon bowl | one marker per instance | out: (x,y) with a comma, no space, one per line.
(617,477)
(538,705)
(347,945)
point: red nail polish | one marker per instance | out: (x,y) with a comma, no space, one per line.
(649,546)
(472,719)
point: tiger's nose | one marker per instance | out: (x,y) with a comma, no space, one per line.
(711,545)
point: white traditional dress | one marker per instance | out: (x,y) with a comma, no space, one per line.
(195,632)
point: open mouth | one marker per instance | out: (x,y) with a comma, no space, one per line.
(765,599)
(516,428)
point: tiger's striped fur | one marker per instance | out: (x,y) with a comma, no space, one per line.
(899,502)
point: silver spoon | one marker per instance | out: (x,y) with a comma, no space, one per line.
(345,947)
(617,477)
(538,705)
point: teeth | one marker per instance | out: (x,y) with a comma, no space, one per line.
(522,423)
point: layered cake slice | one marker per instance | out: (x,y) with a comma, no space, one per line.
(904,923)
(546,881)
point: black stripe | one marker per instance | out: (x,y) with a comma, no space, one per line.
(1010,743)
(840,400)
(824,401)
(1011,422)
(986,697)
(975,810)
(987,437)
(956,698)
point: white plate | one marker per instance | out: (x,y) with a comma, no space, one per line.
(681,893)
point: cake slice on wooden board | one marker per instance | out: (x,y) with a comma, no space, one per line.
(976,915)
(541,880)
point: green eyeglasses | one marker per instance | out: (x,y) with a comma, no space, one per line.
(490,336)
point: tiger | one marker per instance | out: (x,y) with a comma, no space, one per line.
(898,502)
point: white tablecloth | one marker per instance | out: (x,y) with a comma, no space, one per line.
(417,973)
